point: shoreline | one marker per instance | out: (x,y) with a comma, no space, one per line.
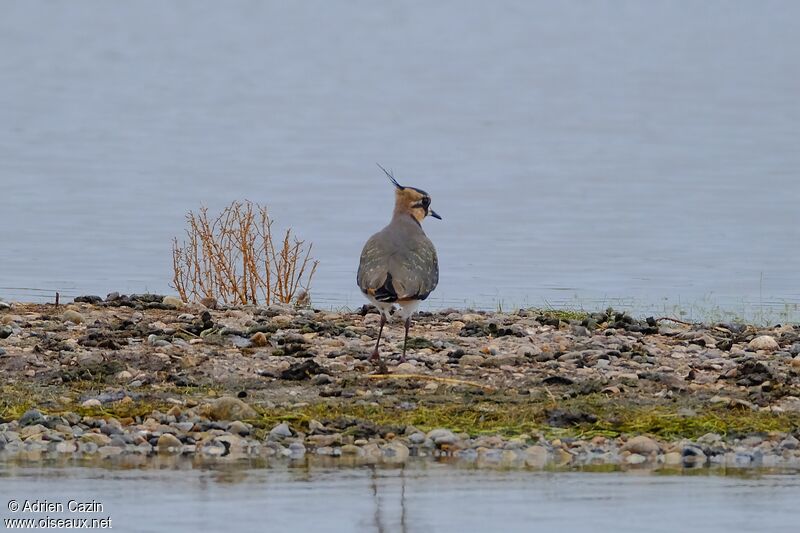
(146,375)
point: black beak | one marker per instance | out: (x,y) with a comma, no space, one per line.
(434,214)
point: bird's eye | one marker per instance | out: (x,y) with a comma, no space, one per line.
(426,202)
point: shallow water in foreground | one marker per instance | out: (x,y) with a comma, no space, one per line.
(423,496)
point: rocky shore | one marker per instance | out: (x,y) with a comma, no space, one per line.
(147,376)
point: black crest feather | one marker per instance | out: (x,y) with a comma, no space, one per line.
(390,176)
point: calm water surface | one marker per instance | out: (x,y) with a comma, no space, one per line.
(636,154)
(421,498)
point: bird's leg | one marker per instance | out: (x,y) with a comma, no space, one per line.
(375,356)
(405,340)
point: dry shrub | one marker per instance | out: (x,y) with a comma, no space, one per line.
(234,258)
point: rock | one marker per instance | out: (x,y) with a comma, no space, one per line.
(73,316)
(406,368)
(92,402)
(230,408)
(210,303)
(238,428)
(259,339)
(789,443)
(297,450)
(763,342)
(4,306)
(416,438)
(66,446)
(31,417)
(6,332)
(642,445)
(635,459)
(89,299)
(471,360)
(169,443)
(536,456)
(351,449)
(320,441)
(173,302)
(396,451)
(442,436)
(672,458)
(280,431)
(301,371)
(693,456)
(96,438)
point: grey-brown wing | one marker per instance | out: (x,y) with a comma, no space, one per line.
(373,269)
(415,271)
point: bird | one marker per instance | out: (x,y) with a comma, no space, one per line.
(399,264)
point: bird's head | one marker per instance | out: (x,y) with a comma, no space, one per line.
(411,200)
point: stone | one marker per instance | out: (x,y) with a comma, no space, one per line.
(351,449)
(6,332)
(31,417)
(173,302)
(259,339)
(238,428)
(230,408)
(635,459)
(96,438)
(70,315)
(470,360)
(320,441)
(396,451)
(406,368)
(693,456)
(442,436)
(280,431)
(642,445)
(209,302)
(764,342)
(169,443)
(91,402)
(67,446)
(672,458)
(536,456)
(296,449)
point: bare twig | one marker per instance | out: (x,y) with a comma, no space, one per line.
(233,258)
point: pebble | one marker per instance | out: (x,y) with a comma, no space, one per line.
(641,444)
(230,408)
(764,342)
(31,417)
(70,315)
(635,459)
(280,431)
(259,339)
(442,436)
(92,402)
(173,302)
(169,443)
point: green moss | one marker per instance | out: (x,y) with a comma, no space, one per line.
(561,314)
(419,343)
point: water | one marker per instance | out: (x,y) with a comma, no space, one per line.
(581,153)
(420,497)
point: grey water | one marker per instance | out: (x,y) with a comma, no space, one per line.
(421,497)
(642,155)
